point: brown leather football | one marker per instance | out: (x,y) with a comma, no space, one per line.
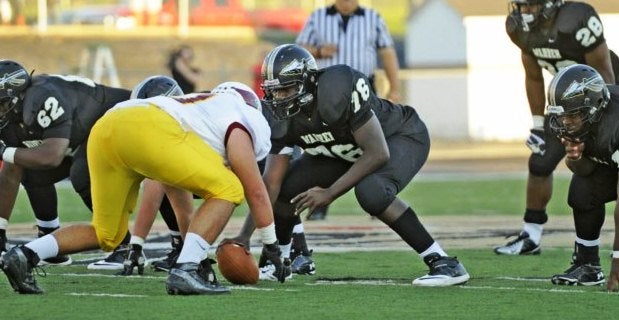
(236,263)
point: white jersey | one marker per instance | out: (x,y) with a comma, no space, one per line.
(212,117)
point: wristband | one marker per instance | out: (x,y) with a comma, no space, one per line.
(267,234)
(538,122)
(615,255)
(9,155)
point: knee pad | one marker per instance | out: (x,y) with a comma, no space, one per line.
(373,196)
(541,166)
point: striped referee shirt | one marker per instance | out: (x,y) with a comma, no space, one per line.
(358,37)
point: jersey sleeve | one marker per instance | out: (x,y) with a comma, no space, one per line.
(343,96)
(583,23)
(49,111)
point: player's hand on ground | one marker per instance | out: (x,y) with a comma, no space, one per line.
(311,199)
(135,259)
(613,280)
(271,252)
(536,142)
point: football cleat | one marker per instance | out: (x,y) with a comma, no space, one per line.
(18,269)
(303,265)
(444,271)
(115,260)
(586,274)
(267,272)
(523,245)
(169,260)
(59,260)
(192,278)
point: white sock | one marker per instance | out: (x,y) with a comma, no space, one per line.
(4,223)
(588,243)
(534,230)
(137,240)
(194,249)
(298,228)
(49,224)
(45,246)
(434,248)
(285,250)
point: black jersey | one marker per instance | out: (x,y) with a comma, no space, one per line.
(602,145)
(576,30)
(58,106)
(343,102)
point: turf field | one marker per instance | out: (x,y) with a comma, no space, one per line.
(352,282)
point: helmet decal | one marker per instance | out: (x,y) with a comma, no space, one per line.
(16,78)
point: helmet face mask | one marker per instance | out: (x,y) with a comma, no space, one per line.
(287,72)
(577,96)
(14,79)
(531,13)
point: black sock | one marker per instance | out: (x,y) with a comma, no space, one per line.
(410,229)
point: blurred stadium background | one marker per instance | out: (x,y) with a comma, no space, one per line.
(459,69)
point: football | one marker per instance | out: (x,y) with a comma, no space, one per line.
(236,263)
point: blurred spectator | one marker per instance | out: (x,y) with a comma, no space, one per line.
(187,76)
(347,33)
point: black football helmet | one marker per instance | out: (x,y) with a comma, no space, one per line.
(244,91)
(288,65)
(14,79)
(156,86)
(577,95)
(527,20)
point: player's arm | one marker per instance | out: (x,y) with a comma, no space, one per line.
(48,154)
(599,59)
(370,138)
(534,84)
(240,152)
(613,280)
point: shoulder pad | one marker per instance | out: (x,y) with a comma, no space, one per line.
(573,16)
(334,89)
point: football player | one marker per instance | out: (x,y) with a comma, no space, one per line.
(45,121)
(584,113)
(204,143)
(551,34)
(351,139)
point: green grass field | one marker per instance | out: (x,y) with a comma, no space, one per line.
(348,285)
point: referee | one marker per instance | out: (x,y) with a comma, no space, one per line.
(346,33)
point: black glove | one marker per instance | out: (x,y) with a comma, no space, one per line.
(272,253)
(536,142)
(134,259)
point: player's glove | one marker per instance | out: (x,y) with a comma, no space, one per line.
(272,253)
(135,258)
(536,142)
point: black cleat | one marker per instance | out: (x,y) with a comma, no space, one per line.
(18,267)
(303,264)
(192,278)
(166,263)
(444,271)
(580,274)
(523,245)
